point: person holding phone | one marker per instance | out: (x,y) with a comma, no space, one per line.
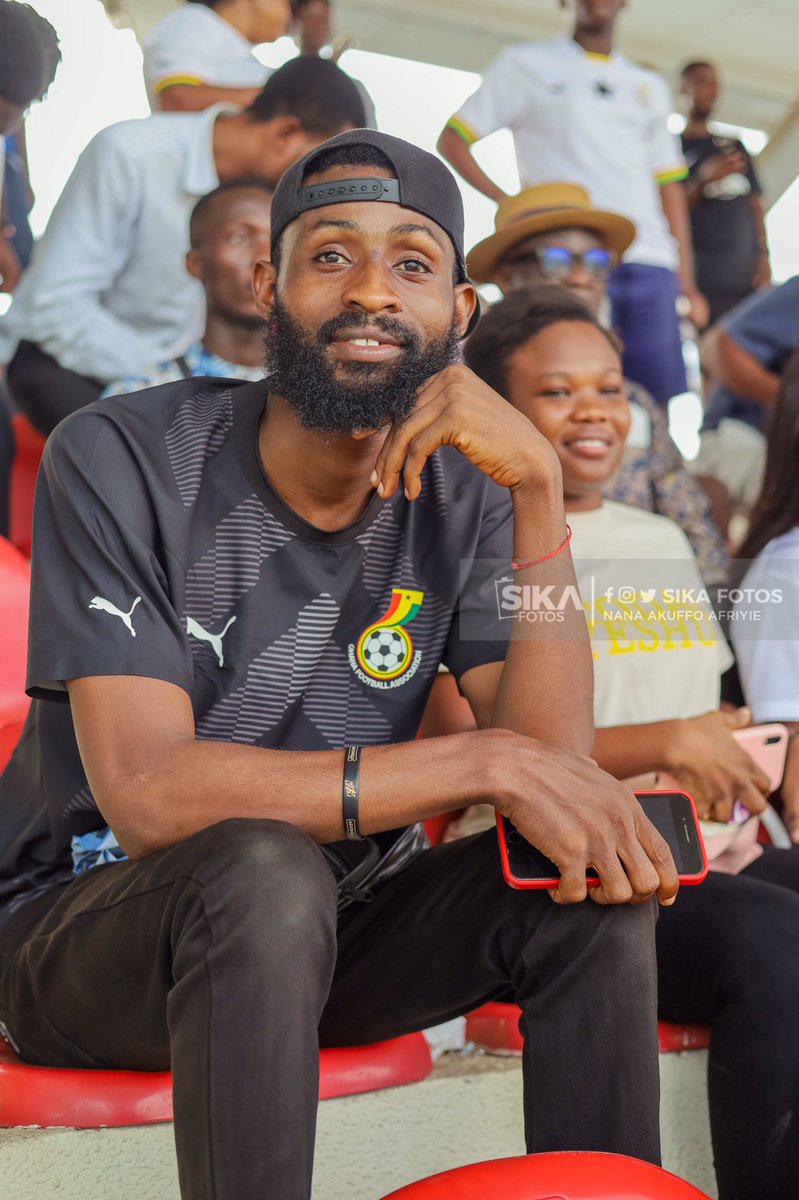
(728,953)
(768,575)
(245,590)
(728,225)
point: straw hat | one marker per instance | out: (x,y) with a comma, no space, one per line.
(539,210)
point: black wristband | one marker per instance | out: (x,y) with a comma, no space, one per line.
(352,773)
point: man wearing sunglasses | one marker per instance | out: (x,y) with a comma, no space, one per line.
(553,234)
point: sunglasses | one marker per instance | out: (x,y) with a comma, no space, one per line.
(557,262)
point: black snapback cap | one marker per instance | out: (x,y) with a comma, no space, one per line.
(421,182)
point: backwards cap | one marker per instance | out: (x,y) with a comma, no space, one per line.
(421,182)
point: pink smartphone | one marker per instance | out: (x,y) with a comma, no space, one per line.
(768,746)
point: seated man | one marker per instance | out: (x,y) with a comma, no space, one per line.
(744,356)
(107,294)
(553,234)
(229,232)
(236,595)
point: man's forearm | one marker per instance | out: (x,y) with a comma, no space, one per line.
(675,208)
(458,154)
(743,374)
(627,750)
(546,687)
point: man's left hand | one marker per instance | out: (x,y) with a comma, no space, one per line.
(455,408)
(699,310)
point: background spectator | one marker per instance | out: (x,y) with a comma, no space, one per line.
(201,53)
(229,232)
(727,219)
(108,294)
(768,652)
(553,234)
(744,356)
(581,111)
(29,56)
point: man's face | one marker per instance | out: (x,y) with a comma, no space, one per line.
(363,312)
(313,25)
(576,259)
(269,19)
(10,116)
(701,87)
(234,236)
(595,14)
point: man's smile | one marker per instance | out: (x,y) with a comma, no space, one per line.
(366,344)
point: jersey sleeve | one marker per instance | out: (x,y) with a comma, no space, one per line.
(479,633)
(100,600)
(665,149)
(498,103)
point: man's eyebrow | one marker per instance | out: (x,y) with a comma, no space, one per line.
(412,227)
(328,222)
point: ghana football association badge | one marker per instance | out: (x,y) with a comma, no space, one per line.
(384,655)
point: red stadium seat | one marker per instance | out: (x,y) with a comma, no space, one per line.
(14,593)
(29,446)
(495,1026)
(9,736)
(569,1175)
(88,1099)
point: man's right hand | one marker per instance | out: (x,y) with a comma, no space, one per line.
(719,166)
(580,817)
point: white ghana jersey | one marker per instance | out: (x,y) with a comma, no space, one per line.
(596,120)
(161,550)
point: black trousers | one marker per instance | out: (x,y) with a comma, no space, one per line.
(728,955)
(45,391)
(222,958)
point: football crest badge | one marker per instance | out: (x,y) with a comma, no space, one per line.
(384,655)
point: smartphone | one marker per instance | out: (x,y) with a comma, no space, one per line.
(672,813)
(768,746)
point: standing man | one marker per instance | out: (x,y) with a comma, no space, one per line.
(229,232)
(727,219)
(108,294)
(245,597)
(580,112)
(200,53)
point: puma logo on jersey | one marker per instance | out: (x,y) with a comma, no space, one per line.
(107,606)
(214,639)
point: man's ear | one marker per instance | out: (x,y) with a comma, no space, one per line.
(466,302)
(194,264)
(264,280)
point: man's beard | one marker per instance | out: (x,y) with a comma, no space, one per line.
(357,395)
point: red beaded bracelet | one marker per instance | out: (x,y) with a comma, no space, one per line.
(517,566)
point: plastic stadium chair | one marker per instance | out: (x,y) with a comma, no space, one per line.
(28,452)
(14,592)
(91,1099)
(495,1026)
(563,1176)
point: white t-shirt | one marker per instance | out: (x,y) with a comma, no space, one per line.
(658,650)
(596,120)
(195,45)
(765,631)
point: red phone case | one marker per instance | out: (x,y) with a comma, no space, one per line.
(540,884)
